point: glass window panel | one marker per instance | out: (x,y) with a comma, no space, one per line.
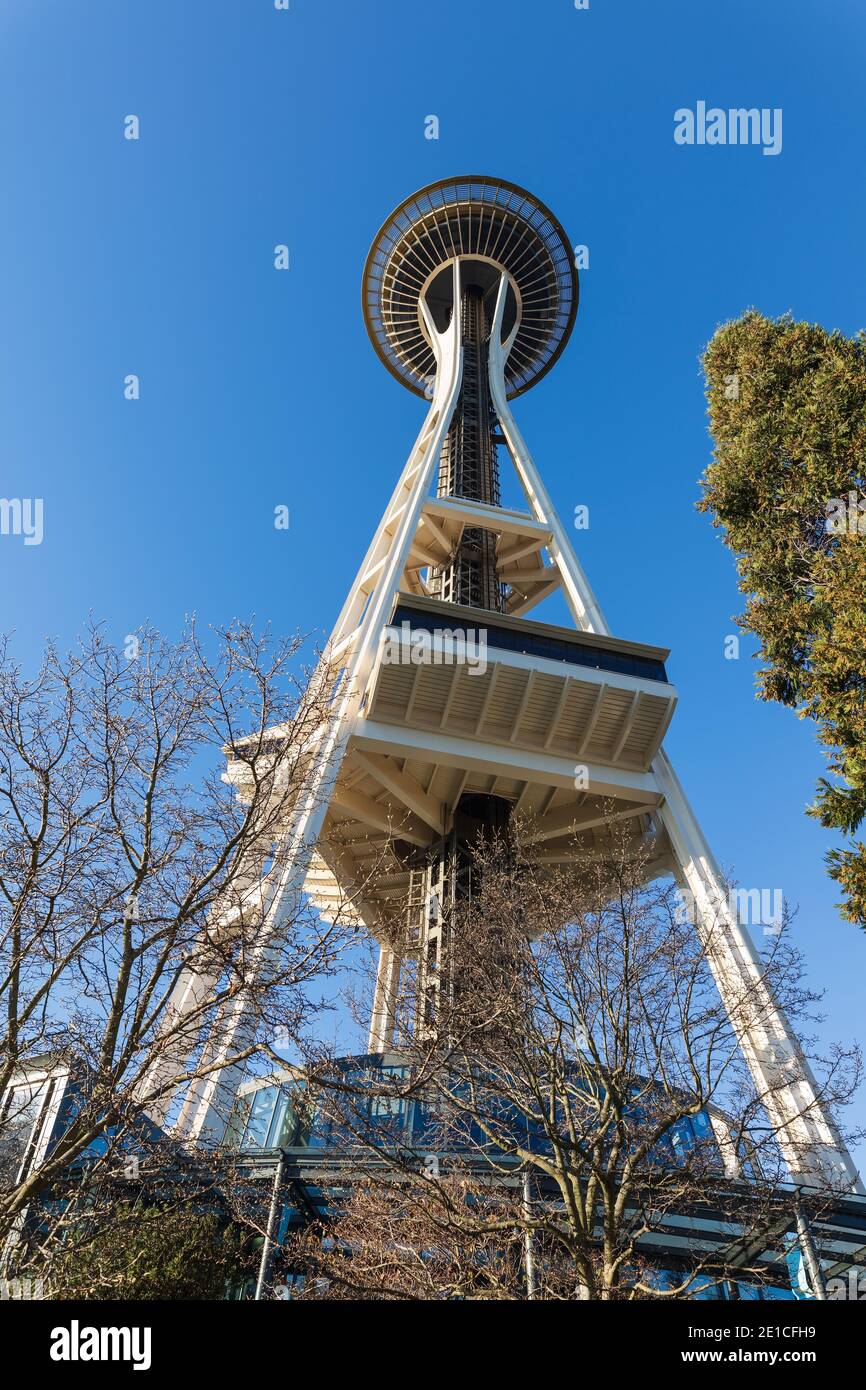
(259,1122)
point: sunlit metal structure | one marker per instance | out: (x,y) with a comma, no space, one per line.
(469,296)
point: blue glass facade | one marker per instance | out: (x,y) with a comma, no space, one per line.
(280,1115)
(285,1115)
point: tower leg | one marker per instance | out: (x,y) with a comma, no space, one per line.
(583,605)
(807,1134)
(384,1016)
(204,1112)
(191,996)
(194,987)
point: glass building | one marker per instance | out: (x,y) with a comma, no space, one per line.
(280,1115)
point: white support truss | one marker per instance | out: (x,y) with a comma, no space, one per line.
(415,533)
(808,1136)
(356,637)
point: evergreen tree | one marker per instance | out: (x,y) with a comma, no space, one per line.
(136,1253)
(787,406)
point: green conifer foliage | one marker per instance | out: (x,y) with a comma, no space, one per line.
(787,487)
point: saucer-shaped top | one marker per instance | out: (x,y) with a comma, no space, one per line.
(499,227)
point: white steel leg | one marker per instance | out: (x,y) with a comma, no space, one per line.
(809,1139)
(204,1111)
(385,1001)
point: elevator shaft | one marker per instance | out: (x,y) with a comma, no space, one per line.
(468,467)
(446,876)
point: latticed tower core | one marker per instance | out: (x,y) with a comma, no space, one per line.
(469,467)
(492,228)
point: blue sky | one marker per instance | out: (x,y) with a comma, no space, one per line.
(259,387)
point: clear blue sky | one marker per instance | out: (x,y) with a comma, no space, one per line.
(259,387)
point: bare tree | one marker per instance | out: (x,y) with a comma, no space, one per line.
(581,1088)
(454,1237)
(127,857)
